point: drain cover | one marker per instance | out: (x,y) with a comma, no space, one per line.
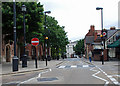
(47,79)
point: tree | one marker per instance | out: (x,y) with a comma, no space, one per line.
(33,20)
(79,48)
(57,36)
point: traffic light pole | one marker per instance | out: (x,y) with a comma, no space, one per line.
(45,41)
(102,37)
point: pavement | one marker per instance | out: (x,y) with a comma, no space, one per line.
(6,68)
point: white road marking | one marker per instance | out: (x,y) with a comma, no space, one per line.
(73,66)
(62,67)
(117,83)
(85,66)
(97,72)
(116,75)
(113,79)
(110,77)
(39,75)
(12,82)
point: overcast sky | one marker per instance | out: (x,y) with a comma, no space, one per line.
(78,15)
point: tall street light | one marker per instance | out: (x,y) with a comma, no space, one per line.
(99,8)
(24,59)
(46,38)
(15,58)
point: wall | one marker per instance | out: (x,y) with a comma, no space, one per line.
(69,49)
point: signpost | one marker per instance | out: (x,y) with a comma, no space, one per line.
(35,42)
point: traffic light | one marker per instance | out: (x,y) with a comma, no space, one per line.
(46,38)
(101,36)
(104,33)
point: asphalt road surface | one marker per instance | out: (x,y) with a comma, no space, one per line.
(71,71)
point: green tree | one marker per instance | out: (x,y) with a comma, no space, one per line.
(79,48)
(57,36)
(33,20)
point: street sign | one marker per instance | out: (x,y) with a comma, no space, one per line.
(35,41)
(104,33)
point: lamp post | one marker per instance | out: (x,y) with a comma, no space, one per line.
(15,58)
(46,38)
(24,60)
(99,8)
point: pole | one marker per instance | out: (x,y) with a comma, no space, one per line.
(35,58)
(102,35)
(24,61)
(45,41)
(15,59)
(46,53)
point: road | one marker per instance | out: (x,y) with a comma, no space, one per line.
(71,71)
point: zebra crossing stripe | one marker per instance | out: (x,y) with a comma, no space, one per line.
(73,66)
(62,67)
(85,66)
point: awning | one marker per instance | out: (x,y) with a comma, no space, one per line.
(114,44)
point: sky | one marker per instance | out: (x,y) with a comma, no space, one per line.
(78,15)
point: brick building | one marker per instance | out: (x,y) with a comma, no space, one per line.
(92,42)
(8,51)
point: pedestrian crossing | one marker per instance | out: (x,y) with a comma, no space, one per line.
(75,66)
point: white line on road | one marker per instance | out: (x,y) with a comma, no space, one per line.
(62,67)
(85,66)
(97,72)
(115,75)
(73,66)
(110,77)
(39,75)
(33,78)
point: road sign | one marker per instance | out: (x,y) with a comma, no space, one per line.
(104,33)
(35,41)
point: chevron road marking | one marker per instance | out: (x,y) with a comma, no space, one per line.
(97,72)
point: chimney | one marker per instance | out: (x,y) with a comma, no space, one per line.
(92,27)
(112,28)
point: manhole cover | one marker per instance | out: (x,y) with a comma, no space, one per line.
(47,79)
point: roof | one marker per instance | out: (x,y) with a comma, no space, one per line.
(114,44)
(89,39)
(110,33)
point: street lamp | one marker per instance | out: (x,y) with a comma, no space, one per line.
(15,58)
(46,38)
(100,8)
(24,59)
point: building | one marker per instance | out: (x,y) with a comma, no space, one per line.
(69,49)
(109,45)
(113,43)
(7,51)
(93,42)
